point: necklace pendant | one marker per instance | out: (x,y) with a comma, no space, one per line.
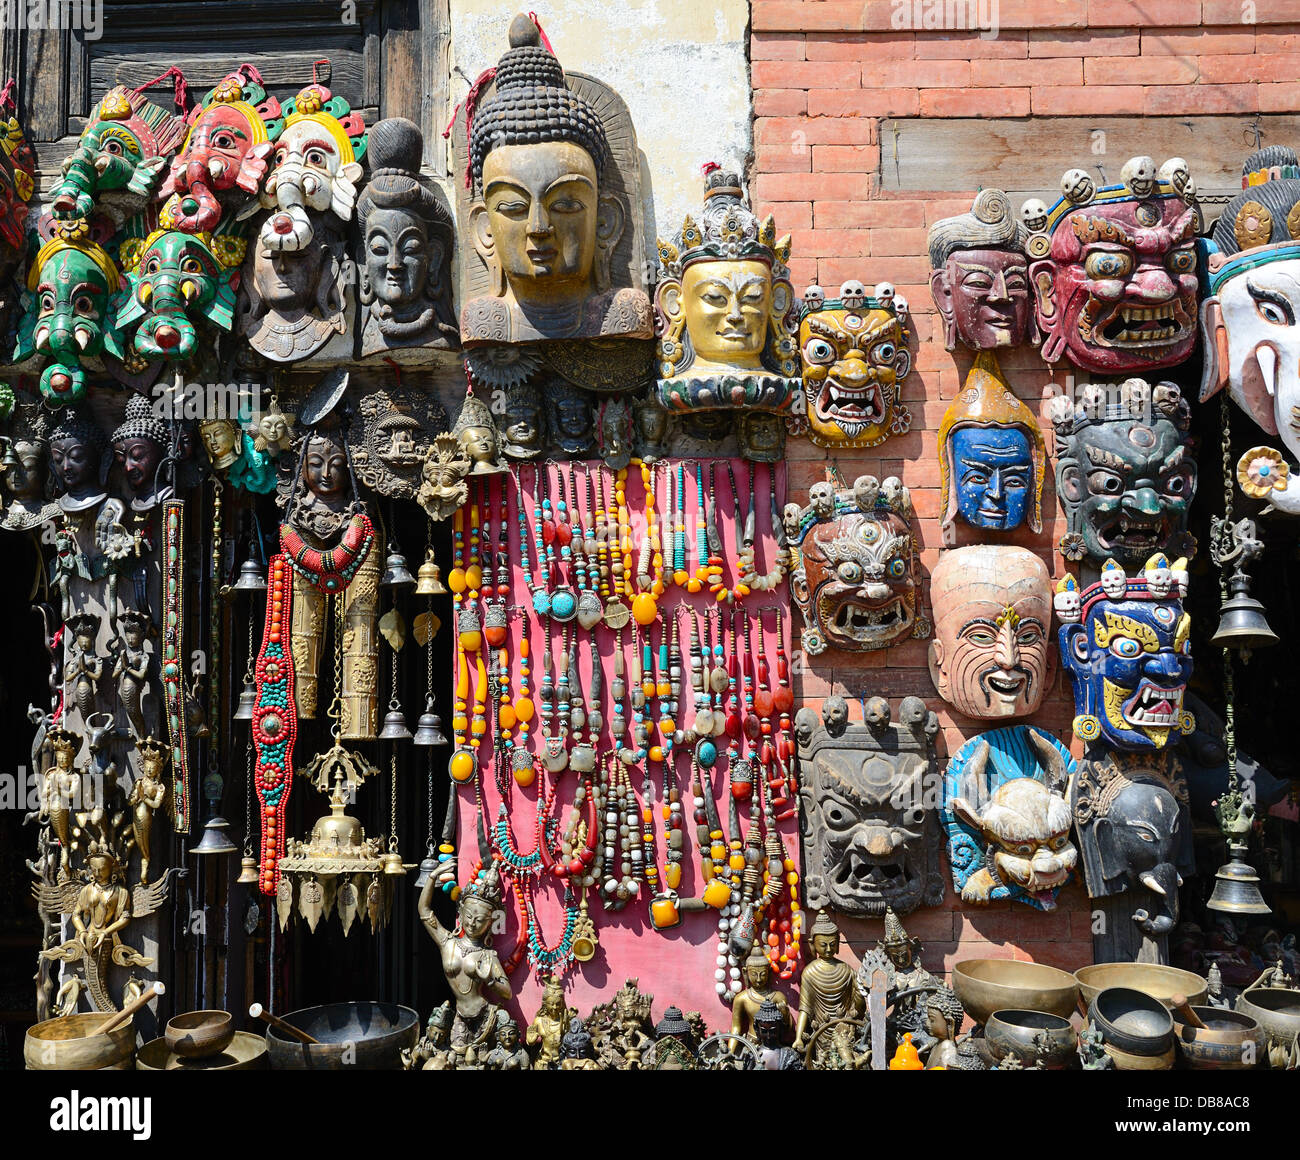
(582,758)
(590,611)
(555,757)
(564,605)
(542,602)
(617,615)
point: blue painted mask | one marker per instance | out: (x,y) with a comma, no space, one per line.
(994,470)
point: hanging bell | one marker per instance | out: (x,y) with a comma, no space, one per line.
(395,726)
(248,875)
(252,577)
(1236,886)
(1242,623)
(396,573)
(428,730)
(392,863)
(247,702)
(429,582)
(428,867)
(215,840)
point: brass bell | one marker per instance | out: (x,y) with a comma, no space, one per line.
(395,726)
(1236,886)
(248,875)
(215,840)
(429,578)
(396,573)
(1242,623)
(392,863)
(428,730)
(585,941)
(428,867)
(247,702)
(252,577)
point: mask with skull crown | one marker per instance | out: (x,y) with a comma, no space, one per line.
(1114,270)
(855,578)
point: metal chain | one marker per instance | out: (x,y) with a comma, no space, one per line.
(214,643)
(335,711)
(430,815)
(248,804)
(1226,545)
(392,800)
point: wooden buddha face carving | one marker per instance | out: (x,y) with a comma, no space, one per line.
(325,467)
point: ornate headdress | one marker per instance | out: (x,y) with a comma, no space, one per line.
(895,934)
(532,104)
(1262,223)
(485,886)
(728,230)
(395,146)
(334,115)
(474,412)
(140,422)
(1138,401)
(769,1015)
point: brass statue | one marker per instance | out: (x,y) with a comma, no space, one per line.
(546,1032)
(433,1050)
(758,990)
(477,432)
(943,1018)
(506,1054)
(147,796)
(131,666)
(578,1049)
(442,479)
(473,970)
(770,1024)
(828,990)
(621,1028)
(84,669)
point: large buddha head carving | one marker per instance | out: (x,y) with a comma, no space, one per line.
(992,458)
(855,578)
(1128,653)
(1125,472)
(980,276)
(542,219)
(79,459)
(406,242)
(855,356)
(1249,322)
(991,656)
(1114,270)
(726,310)
(870,829)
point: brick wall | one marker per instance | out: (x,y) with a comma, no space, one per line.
(826,75)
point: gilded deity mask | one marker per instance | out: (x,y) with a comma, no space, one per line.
(991,656)
(1007,818)
(726,311)
(855,577)
(548,208)
(854,360)
(1129,656)
(992,458)
(223,160)
(316,166)
(980,276)
(1125,472)
(1114,271)
(870,831)
(120,158)
(1251,338)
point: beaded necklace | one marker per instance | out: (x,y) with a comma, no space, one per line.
(699,581)
(680,575)
(639,731)
(330,569)
(618,690)
(590,607)
(645,604)
(463,581)
(747,566)
(563,599)
(782,704)
(522,765)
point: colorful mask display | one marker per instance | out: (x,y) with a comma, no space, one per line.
(69,308)
(224,158)
(1251,341)
(120,158)
(315,168)
(726,311)
(1114,270)
(991,656)
(1125,472)
(1135,834)
(870,836)
(1007,818)
(553,208)
(855,357)
(1129,656)
(855,577)
(406,241)
(980,276)
(17,184)
(992,458)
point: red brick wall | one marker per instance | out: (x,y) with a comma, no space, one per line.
(824,74)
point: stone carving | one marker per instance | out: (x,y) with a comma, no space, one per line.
(870,836)
(390,443)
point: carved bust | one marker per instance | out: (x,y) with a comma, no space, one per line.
(79,461)
(139,445)
(548,211)
(406,242)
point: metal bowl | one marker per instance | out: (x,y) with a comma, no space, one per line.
(1132,1021)
(1222,1043)
(1128,1061)
(988,985)
(1013,1033)
(73,1043)
(199,1033)
(368,1036)
(246,1051)
(1158,981)
(1275,1009)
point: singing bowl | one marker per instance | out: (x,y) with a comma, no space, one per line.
(73,1043)
(199,1033)
(1275,1009)
(988,985)
(1159,982)
(369,1036)
(1127,1061)
(1013,1032)
(1222,1043)
(246,1051)
(1132,1021)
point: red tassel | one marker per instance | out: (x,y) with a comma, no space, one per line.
(541,32)
(180,90)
